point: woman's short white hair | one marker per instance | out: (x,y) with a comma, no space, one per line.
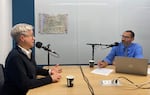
(20,29)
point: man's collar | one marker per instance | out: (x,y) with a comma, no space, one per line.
(25,51)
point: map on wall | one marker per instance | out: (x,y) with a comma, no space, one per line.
(53,24)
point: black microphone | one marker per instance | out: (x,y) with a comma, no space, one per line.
(39,45)
(115,44)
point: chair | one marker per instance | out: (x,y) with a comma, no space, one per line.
(1,76)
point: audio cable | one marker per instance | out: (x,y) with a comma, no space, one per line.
(139,86)
(87,81)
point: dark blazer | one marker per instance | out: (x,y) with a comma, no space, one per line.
(20,73)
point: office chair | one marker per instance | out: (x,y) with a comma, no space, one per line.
(1,76)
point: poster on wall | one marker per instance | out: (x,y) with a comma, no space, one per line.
(53,24)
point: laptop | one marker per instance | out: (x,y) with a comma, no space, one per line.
(131,65)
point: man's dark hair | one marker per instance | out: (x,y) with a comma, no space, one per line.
(132,33)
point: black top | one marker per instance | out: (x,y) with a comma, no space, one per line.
(20,73)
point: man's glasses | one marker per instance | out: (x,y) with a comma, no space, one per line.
(26,35)
(126,37)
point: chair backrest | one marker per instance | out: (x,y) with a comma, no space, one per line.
(1,76)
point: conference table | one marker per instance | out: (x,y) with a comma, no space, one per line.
(81,87)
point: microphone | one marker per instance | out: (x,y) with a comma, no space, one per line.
(39,45)
(115,44)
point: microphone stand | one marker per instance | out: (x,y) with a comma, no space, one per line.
(91,62)
(93,46)
(48,55)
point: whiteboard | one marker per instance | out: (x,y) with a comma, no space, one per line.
(91,21)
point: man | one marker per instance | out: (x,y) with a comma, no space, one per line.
(20,66)
(125,48)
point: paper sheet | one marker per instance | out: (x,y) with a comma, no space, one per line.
(102,71)
(148,71)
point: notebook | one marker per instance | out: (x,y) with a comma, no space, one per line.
(131,65)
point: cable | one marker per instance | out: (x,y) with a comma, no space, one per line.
(87,81)
(140,86)
(128,81)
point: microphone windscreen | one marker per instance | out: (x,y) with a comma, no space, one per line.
(116,43)
(38,44)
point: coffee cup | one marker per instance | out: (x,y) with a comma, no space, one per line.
(70,80)
(91,63)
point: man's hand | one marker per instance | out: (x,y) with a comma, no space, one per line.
(56,77)
(56,69)
(102,64)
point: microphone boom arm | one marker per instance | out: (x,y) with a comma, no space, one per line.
(93,46)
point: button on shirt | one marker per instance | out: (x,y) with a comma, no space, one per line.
(133,50)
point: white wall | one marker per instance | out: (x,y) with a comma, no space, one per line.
(5,26)
(94,21)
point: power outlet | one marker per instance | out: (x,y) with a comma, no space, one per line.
(114,82)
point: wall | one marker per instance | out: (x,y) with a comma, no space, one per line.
(23,11)
(5,27)
(92,21)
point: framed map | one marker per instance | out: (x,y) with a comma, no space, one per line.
(53,24)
